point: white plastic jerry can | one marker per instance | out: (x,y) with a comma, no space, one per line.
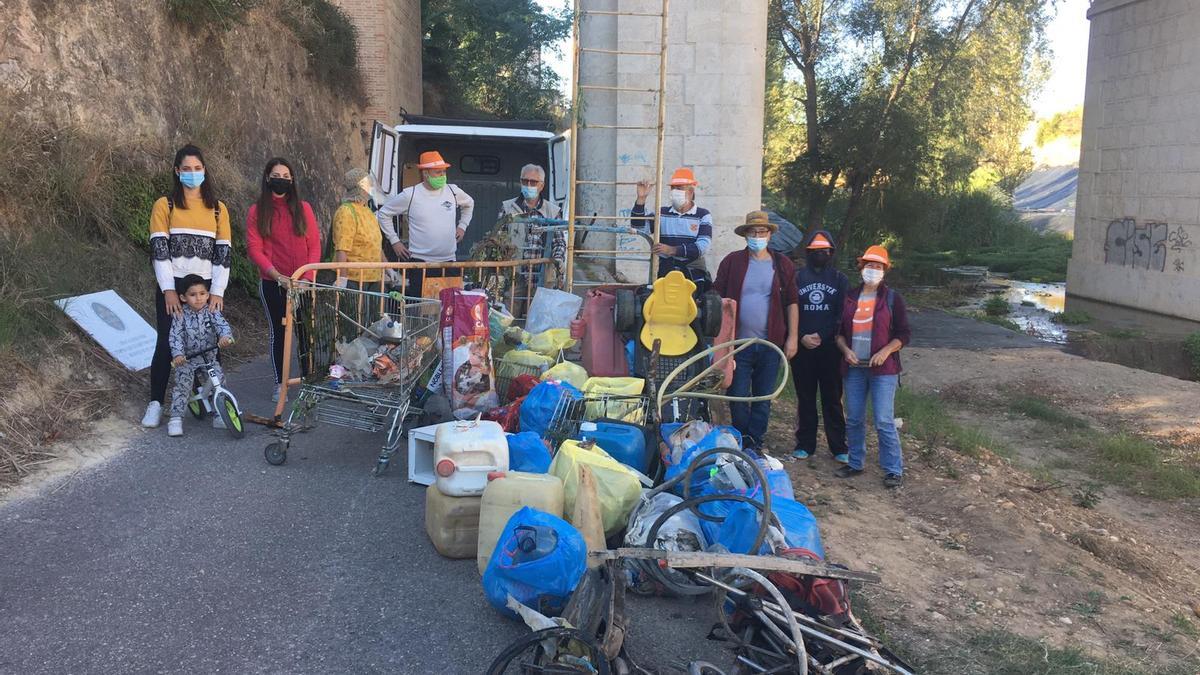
(464,453)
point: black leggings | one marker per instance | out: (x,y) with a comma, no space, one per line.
(274,300)
(160,365)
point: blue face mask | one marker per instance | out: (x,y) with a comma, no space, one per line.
(756,244)
(191,179)
(529,191)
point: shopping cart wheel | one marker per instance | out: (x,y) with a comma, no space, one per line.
(276,453)
(230,414)
(380,467)
(625,311)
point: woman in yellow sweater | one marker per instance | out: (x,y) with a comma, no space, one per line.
(189,234)
(356,233)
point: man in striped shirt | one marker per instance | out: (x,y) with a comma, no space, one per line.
(686,228)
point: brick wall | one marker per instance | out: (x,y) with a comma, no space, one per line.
(389,54)
(1137,219)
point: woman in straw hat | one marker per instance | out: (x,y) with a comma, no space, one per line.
(874,329)
(356,235)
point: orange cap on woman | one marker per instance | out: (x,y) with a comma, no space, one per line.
(877,254)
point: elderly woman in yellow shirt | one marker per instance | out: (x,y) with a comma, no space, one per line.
(356,234)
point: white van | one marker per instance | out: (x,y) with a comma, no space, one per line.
(485,161)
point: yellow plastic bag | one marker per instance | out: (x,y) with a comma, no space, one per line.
(522,362)
(613,390)
(616,484)
(568,372)
(550,342)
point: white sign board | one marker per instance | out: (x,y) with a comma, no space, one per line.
(115,325)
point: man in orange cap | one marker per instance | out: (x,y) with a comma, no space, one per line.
(429,208)
(686,229)
(817,364)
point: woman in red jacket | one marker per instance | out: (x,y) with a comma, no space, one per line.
(281,236)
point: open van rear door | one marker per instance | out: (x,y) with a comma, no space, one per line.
(385,158)
(560,171)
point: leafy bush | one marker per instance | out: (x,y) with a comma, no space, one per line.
(997,305)
(1072,317)
(1191,347)
(197,14)
(329,38)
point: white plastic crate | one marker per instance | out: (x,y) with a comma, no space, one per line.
(420,455)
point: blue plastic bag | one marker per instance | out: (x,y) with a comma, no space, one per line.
(542,575)
(711,440)
(737,531)
(527,452)
(538,408)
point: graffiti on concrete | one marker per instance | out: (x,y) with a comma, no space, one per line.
(1141,246)
(1178,265)
(1179,239)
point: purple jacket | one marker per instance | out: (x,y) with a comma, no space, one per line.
(888,325)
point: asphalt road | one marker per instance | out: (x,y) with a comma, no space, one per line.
(193,555)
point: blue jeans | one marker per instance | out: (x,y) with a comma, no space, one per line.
(756,374)
(860,384)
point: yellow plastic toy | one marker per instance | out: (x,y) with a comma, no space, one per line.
(669,312)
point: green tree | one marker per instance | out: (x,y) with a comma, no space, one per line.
(485,58)
(906,93)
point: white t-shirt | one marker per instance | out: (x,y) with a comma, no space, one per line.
(430,216)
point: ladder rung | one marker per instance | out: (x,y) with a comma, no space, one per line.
(608,12)
(606,182)
(595,50)
(618,126)
(604,87)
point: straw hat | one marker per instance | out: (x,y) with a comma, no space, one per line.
(756,219)
(351,182)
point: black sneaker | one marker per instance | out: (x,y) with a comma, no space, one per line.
(893,480)
(846,471)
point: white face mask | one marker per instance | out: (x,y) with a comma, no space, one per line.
(872,276)
(678,198)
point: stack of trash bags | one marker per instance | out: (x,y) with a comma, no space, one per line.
(531,511)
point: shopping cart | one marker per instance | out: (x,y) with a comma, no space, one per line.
(362,355)
(571,412)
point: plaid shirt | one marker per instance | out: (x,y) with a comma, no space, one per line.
(534,242)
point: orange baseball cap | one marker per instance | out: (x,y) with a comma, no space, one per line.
(877,254)
(432,160)
(683,177)
(819,241)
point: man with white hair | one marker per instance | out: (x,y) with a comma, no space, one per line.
(531,204)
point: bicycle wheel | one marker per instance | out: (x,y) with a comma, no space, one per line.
(229,413)
(529,654)
(197,410)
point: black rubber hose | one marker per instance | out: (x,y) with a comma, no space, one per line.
(693,503)
(695,589)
